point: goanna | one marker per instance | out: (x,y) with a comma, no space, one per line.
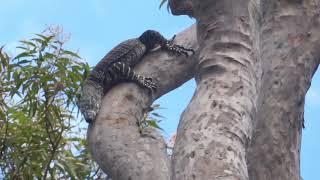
(116,66)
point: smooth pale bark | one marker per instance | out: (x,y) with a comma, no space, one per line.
(290,50)
(215,128)
(253,67)
(114,139)
(286,36)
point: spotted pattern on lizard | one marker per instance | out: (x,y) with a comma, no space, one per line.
(117,66)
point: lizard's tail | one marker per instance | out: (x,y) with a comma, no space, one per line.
(90,100)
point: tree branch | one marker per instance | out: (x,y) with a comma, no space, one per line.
(114,138)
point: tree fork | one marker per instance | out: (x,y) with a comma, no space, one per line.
(253,67)
(114,138)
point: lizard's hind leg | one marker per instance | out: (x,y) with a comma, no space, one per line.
(122,72)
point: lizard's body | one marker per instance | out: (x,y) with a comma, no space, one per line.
(116,67)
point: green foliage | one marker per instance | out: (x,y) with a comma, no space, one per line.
(40,136)
(150,119)
(39,133)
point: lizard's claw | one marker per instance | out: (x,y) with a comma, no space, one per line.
(147,82)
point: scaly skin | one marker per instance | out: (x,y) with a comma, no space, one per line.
(117,66)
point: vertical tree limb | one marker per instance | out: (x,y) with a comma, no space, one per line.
(215,128)
(290,55)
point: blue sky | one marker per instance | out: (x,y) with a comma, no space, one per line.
(98,25)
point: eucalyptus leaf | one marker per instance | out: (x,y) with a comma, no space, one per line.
(154,124)
(28,43)
(25,54)
(71,53)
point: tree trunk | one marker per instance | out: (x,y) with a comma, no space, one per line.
(290,52)
(253,67)
(215,128)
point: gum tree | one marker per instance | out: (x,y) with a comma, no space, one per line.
(253,65)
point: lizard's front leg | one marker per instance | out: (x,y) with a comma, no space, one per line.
(150,38)
(176,49)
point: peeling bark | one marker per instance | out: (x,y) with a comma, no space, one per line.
(114,139)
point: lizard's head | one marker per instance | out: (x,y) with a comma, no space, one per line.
(151,38)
